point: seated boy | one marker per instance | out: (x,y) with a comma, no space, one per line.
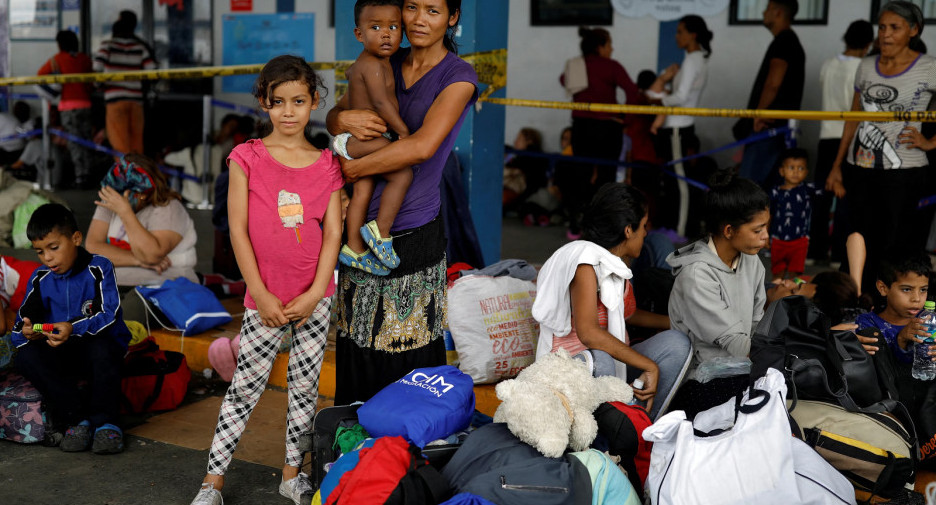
(73,296)
(903,280)
(791,215)
(371,86)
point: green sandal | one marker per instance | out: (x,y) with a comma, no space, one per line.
(365,261)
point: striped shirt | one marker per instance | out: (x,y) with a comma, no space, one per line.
(123,55)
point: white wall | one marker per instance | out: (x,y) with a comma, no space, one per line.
(536,56)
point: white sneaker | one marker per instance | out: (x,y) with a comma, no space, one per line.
(296,487)
(208,495)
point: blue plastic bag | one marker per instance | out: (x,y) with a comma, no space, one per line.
(425,405)
(189,307)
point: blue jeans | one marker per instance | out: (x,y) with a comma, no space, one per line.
(760,160)
(670,350)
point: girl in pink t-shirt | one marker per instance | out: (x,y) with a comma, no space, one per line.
(285,216)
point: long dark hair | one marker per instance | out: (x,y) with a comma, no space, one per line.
(592,39)
(615,207)
(696,25)
(454,7)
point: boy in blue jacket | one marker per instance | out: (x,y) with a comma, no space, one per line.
(76,293)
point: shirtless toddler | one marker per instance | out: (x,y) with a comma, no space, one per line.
(371,86)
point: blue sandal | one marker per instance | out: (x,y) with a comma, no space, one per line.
(382,247)
(365,261)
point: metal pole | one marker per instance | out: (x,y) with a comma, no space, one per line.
(45,179)
(792,137)
(206,153)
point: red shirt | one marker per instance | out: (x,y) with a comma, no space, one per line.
(571,342)
(604,77)
(75,95)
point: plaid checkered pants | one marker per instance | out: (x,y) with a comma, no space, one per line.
(258,347)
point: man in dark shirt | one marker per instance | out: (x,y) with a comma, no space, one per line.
(779,86)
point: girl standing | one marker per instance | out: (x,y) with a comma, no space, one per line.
(390,325)
(286,248)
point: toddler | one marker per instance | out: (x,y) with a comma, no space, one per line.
(791,213)
(371,86)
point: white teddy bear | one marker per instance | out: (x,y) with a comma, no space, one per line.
(549,405)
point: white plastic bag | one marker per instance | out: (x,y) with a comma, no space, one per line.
(492,326)
(752,458)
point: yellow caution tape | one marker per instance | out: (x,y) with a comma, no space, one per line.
(924,116)
(491,67)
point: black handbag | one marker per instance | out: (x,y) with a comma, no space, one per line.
(820,364)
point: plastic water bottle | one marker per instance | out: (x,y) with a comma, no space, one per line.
(924,368)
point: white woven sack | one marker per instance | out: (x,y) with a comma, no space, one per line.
(492,326)
(754,459)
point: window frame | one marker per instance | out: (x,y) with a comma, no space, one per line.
(734,20)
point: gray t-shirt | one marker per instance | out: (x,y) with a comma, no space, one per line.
(170,217)
(875,143)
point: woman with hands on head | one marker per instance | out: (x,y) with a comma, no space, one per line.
(141,225)
(389,325)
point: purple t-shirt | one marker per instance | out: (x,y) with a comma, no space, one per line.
(422,201)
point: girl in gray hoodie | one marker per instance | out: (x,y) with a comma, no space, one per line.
(719,294)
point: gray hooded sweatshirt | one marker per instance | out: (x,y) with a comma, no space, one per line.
(716,306)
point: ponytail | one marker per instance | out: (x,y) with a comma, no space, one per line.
(696,25)
(592,39)
(454,8)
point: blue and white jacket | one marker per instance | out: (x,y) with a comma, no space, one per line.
(86,296)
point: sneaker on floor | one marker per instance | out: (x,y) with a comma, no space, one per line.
(208,495)
(297,487)
(108,439)
(77,438)
(52,438)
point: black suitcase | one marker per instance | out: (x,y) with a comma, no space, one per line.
(320,443)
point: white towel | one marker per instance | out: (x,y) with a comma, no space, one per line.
(576,75)
(552,307)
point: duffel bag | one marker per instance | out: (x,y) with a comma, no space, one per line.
(22,418)
(620,433)
(497,466)
(153,379)
(874,451)
(425,405)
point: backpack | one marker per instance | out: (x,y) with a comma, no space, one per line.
(874,451)
(495,465)
(620,433)
(425,405)
(821,364)
(388,470)
(152,379)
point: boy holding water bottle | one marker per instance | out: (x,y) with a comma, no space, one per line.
(903,281)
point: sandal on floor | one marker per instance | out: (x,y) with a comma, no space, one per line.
(108,439)
(382,247)
(77,438)
(365,261)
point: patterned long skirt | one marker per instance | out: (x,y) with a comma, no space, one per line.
(387,326)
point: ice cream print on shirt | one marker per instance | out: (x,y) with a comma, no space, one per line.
(290,211)
(872,142)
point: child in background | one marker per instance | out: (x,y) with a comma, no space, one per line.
(791,215)
(75,292)
(286,247)
(372,86)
